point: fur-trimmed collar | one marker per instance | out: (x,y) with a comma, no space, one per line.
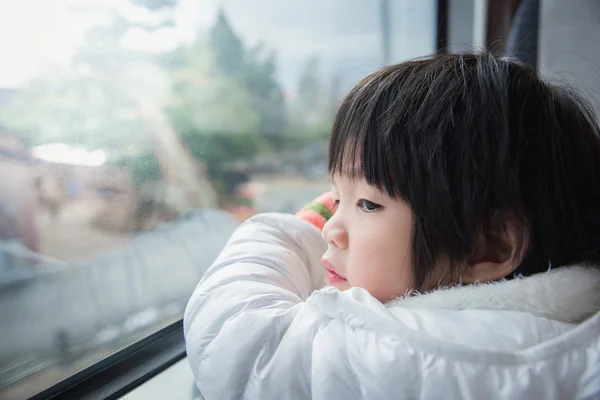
(568,294)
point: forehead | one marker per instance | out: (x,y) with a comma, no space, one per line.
(350,183)
(352,176)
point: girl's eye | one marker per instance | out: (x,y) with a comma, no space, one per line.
(367,206)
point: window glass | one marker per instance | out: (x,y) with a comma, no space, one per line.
(135,135)
(567,46)
(466,21)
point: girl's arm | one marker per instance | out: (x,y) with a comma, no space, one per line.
(241,311)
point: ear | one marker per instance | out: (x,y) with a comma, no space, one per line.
(498,253)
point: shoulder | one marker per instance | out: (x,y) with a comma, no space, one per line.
(338,344)
(440,347)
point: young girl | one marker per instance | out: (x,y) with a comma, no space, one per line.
(462,260)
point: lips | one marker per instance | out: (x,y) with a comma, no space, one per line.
(331,277)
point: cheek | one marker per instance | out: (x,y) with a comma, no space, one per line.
(382,266)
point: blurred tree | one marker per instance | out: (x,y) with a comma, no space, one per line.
(204,98)
(267,97)
(310,111)
(227,47)
(310,106)
(256,71)
(213,114)
(309,89)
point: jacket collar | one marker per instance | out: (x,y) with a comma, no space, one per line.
(567,294)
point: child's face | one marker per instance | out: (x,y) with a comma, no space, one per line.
(369,239)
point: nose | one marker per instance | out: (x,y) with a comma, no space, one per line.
(335,233)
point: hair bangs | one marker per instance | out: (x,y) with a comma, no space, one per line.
(360,139)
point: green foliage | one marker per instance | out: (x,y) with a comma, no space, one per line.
(311,114)
(208,101)
(220,150)
(256,72)
(227,47)
(309,85)
(267,97)
(213,113)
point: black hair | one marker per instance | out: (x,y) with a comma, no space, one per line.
(469,141)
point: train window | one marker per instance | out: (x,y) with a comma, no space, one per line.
(135,135)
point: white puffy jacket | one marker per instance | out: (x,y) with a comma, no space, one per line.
(256,329)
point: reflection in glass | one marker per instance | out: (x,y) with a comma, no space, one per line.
(136,135)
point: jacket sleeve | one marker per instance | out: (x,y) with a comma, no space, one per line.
(246,303)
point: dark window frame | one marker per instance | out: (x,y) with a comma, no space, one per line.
(125,370)
(500,14)
(442,26)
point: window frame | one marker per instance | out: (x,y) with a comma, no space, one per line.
(120,373)
(442,26)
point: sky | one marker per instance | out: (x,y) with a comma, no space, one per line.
(344,33)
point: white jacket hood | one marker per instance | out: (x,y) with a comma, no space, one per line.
(256,329)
